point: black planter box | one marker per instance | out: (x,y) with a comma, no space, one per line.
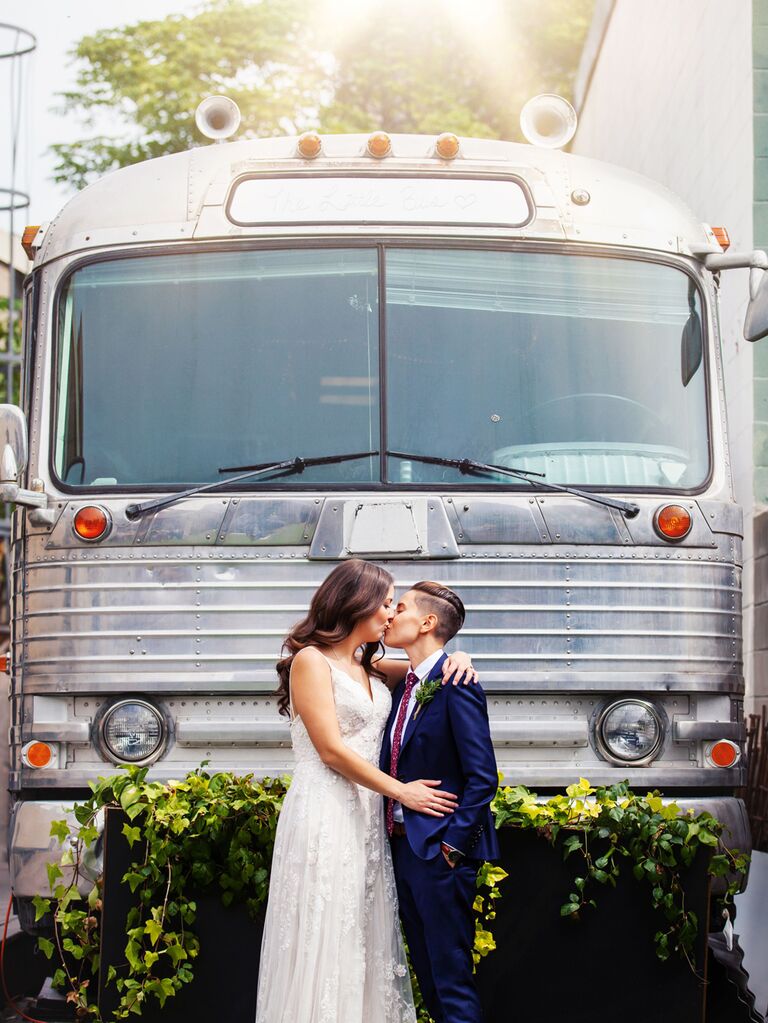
(546,968)
(601,967)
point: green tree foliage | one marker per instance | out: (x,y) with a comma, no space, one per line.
(145,80)
(402,65)
(441,66)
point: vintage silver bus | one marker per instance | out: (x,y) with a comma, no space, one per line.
(491,364)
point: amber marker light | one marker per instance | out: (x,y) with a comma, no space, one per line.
(722,236)
(37,754)
(91,523)
(28,238)
(309,145)
(724,753)
(379,144)
(673,522)
(447,146)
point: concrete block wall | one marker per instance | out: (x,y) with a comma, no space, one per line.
(670,95)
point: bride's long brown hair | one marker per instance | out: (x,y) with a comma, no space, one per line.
(352,592)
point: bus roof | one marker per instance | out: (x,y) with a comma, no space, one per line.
(191,196)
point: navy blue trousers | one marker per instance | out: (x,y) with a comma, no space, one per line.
(436,910)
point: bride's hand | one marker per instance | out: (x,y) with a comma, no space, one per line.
(424,797)
(458,668)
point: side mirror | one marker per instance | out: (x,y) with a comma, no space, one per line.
(13,460)
(13,443)
(756,320)
(691,347)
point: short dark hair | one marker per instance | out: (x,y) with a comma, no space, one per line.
(444,604)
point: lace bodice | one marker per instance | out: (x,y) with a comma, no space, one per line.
(361,719)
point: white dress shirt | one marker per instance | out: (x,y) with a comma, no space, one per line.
(421,671)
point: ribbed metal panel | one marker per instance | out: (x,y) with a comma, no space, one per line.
(181,615)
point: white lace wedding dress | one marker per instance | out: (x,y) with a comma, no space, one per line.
(332,950)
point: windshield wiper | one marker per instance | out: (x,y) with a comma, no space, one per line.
(468,467)
(289,467)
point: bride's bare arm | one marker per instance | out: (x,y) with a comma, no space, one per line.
(458,668)
(312,699)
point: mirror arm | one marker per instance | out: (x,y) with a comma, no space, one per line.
(756,260)
(12,493)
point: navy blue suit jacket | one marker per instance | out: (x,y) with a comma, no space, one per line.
(449,738)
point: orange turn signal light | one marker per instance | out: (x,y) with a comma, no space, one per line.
(447,145)
(673,522)
(91,523)
(379,144)
(309,145)
(723,239)
(27,238)
(38,754)
(724,753)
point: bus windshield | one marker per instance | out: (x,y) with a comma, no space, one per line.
(588,369)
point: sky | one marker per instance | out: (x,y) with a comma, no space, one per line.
(57,25)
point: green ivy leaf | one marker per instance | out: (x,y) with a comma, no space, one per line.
(60,831)
(133,835)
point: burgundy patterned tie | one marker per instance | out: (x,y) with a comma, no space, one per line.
(410,681)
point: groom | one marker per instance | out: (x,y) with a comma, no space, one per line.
(439,732)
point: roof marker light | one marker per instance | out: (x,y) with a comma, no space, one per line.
(672,522)
(379,145)
(447,146)
(309,145)
(722,237)
(31,232)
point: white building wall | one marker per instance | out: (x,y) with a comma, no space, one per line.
(671,97)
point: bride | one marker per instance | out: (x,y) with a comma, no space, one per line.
(332,950)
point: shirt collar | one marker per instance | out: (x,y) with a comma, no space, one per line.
(423,669)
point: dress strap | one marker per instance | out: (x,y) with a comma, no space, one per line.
(290,694)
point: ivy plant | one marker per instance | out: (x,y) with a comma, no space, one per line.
(216,832)
(604,826)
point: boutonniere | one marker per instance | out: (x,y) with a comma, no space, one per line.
(426,692)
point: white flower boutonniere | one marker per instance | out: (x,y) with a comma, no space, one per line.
(426,692)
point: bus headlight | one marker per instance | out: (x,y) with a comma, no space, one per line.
(132,731)
(629,731)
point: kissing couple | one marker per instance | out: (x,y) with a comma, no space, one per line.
(365,726)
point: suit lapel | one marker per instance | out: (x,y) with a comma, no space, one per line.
(415,720)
